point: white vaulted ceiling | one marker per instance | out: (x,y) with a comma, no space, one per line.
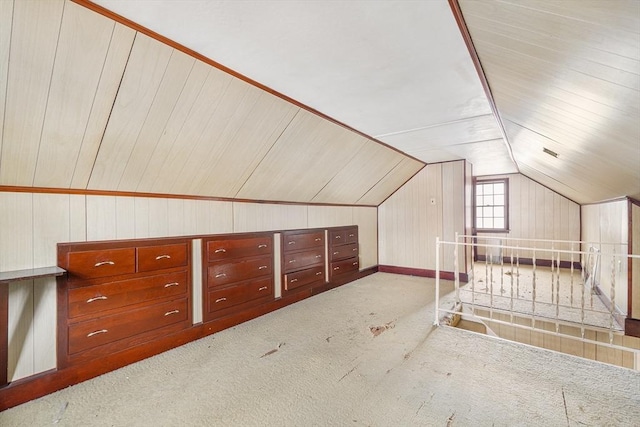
(395,70)
(90,103)
(565,76)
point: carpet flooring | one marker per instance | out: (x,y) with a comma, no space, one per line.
(364,354)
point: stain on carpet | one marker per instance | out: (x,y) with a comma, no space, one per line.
(270,352)
(377,330)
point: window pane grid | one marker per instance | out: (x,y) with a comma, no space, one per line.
(491,208)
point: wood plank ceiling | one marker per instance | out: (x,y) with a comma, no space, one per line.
(565,76)
(398,71)
(88,103)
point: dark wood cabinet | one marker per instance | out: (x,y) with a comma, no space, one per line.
(119,295)
(303,259)
(122,301)
(343,253)
(237,273)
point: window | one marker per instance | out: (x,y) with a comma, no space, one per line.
(492,207)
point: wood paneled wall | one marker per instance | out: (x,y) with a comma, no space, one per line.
(32,223)
(536,212)
(430,205)
(606,226)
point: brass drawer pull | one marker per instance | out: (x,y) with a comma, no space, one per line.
(169,313)
(336,268)
(354,249)
(101,297)
(100,264)
(318,239)
(351,235)
(262,267)
(293,280)
(101,331)
(292,261)
(355,263)
(336,253)
(262,246)
(338,237)
(217,251)
(318,273)
(263,288)
(220,300)
(318,256)
(221,275)
(159,257)
(292,242)
(168,285)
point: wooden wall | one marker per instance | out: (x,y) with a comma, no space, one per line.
(430,205)
(32,223)
(536,212)
(606,226)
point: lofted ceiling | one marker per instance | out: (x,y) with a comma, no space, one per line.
(398,71)
(89,103)
(565,76)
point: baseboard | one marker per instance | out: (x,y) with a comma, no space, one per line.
(422,272)
(539,262)
(632,327)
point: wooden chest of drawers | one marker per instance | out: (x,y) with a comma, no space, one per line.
(237,272)
(343,252)
(303,259)
(118,295)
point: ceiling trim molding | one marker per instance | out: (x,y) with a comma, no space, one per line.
(162,39)
(80,192)
(466,36)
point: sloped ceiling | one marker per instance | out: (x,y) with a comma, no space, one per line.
(565,76)
(395,70)
(89,103)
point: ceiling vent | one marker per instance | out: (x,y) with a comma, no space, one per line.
(549,152)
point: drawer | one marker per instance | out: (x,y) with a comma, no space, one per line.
(94,299)
(104,330)
(101,263)
(294,261)
(152,258)
(345,266)
(223,273)
(351,235)
(222,298)
(303,278)
(300,241)
(238,248)
(337,237)
(344,251)
(343,236)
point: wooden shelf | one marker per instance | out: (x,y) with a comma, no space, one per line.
(30,273)
(5,278)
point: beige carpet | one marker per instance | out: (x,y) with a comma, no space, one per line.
(360,355)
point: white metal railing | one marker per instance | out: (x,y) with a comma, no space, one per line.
(542,290)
